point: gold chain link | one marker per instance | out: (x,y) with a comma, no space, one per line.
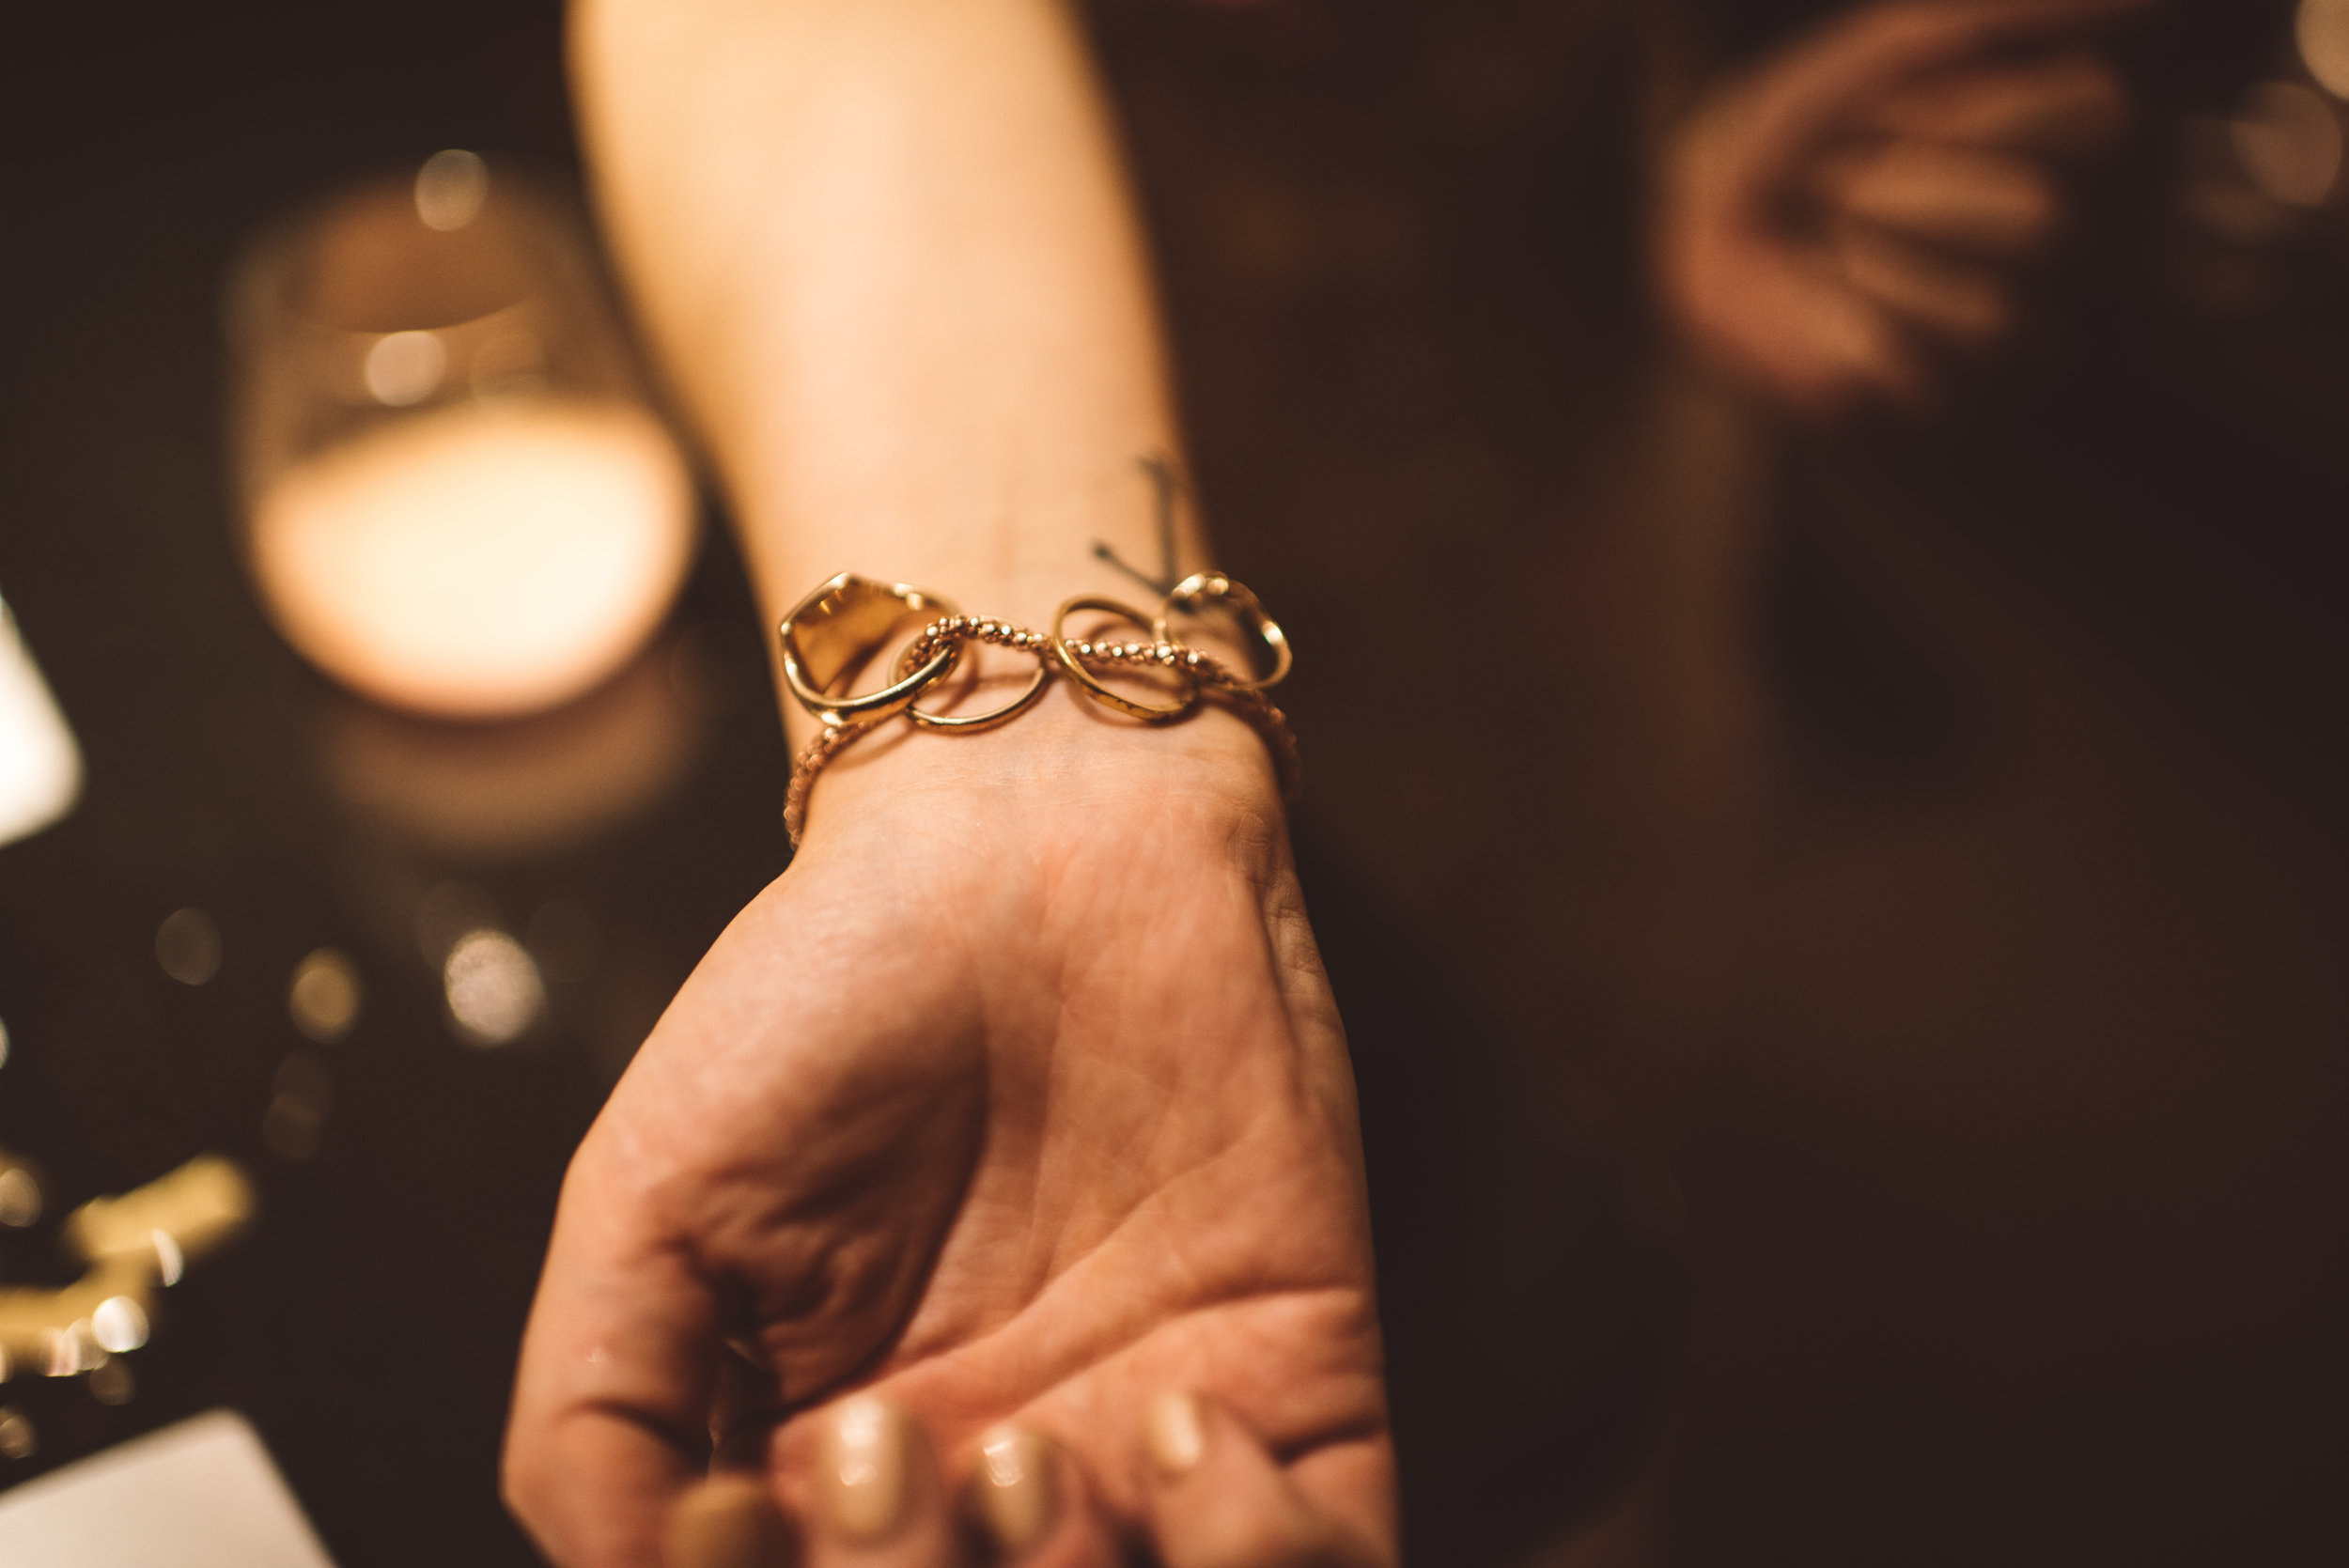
(1202,675)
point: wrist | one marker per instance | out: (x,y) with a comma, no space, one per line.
(882,698)
(1065,766)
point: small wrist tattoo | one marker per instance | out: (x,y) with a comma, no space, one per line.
(1166,486)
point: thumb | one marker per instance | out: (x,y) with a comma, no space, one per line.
(611,1415)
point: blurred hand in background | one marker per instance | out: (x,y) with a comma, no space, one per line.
(1838,220)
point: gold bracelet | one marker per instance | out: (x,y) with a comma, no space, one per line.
(837,629)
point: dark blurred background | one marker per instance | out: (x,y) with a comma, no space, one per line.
(1841,924)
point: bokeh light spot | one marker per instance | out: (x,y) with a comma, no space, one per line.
(2324,33)
(2289,141)
(325,995)
(187,945)
(20,1197)
(450,188)
(406,367)
(118,1325)
(494,992)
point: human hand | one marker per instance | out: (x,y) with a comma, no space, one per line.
(873,1494)
(1020,1097)
(1836,217)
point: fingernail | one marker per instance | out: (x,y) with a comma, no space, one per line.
(862,1481)
(1016,1491)
(1174,1434)
(728,1521)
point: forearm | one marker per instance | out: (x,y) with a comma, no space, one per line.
(886,256)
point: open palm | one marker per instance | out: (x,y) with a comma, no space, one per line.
(1022,1095)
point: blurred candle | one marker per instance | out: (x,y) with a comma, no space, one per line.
(486,558)
(41,768)
(459,501)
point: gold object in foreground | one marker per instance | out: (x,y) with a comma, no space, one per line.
(1182,662)
(1200,590)
(134,1245)
(847,622)
(835,632)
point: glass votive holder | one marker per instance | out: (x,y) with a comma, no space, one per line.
(456,497)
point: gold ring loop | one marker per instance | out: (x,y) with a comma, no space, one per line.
(1193,593)
(980,721)
(845,622)
(1091,684)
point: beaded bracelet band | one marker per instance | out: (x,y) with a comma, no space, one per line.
(837,629)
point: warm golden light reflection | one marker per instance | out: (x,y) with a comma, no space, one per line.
(2289,141)
(200,1205)
(70,1351)
(493,988)
(1006,1462)
(133,1245)
(479,560)
(18,1440)
(19,1195)
(118,1325)
(405,367)
(170,1262)
(451,187)
(41,767)
(4,1042)
(187,945)
(2323,28)
(324,996)
(46,1339)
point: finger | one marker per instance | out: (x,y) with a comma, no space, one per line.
(1028,1505)
(1863,58)
(728,1521)
(2070,105)
(610,1423)
(1856,355)
(1861,53)
(1836,349)
(1216,1498)
(1982,202)
(1787,322)
(1961,303)
(871,1495)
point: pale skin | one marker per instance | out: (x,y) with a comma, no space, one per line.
(1020,1097)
